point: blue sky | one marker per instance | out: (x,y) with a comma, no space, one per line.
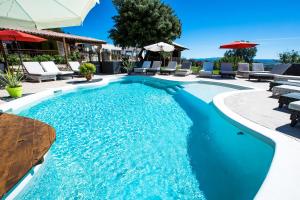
(275,25)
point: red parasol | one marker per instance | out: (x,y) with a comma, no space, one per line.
(238,45)
(11,35)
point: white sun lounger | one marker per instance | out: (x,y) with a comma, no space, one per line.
(146,65)
(155,67)
(35,72)
(184,70)
(207,70)
(243,70)
(284,89)
(170,68)
(227,70)
(277,70)
(74,65)
(50,66)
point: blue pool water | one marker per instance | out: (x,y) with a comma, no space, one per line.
(138,140)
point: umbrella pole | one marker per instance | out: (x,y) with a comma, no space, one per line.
(4,56)
(20,57)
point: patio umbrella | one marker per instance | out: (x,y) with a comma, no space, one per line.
(238,45)
(42,14)
(11,35)
(160,47)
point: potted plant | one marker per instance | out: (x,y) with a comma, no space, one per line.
(127,65)
(87,70)
(12,82)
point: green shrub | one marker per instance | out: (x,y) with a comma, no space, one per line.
(87,69)
(43,58)
(74,56)
(58,59)
(229,59)
(195,69)
(289,57)
(11,79)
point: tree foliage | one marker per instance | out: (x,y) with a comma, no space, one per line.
(247,54)
(289,57)
(143,22)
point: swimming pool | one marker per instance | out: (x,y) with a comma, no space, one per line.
(141,138)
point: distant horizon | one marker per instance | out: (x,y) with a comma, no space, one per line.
(275,27)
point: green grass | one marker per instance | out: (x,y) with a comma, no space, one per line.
(216,72)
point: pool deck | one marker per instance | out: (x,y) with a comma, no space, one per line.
(257,106)
(254,109)
(23,144)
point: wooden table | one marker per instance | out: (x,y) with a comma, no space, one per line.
(23,143)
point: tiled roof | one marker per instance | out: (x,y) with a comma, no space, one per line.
(59,36)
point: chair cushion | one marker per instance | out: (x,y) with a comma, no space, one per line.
(295,105)
(50,66)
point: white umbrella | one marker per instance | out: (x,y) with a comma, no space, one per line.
(42,14)
(160,47)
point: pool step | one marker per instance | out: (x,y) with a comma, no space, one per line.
(173,89)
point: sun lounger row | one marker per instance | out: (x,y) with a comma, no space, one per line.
(155,66)
(48,70)
(289,95)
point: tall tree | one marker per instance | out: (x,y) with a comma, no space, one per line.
(143,22)
(247,54)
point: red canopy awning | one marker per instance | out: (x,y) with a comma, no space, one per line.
(11,35)
(238,45)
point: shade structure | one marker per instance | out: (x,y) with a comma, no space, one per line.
(160,47)
(11,35)
(238,45)
(43,14)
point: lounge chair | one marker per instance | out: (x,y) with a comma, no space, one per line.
(227,70)
(286,99)
(287,82)
(284,89)
(243,70)
(35,72)
(184,70)
(74,65)
(50,66)
(146,65)
(207,70)
(295,115)
(154,68)
(277,70)
(171,68)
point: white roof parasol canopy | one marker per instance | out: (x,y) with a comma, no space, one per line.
(43,14)
(160,47)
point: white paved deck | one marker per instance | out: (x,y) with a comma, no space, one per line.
(256,106)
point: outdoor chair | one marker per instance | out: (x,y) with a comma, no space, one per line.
(243,70)
(262,75)
(35,72)
(207,70)
(146,65)
(227,70)
(171,68)
(286,99)
(74,65)
(284,89)
(184,70)
(50,66)
(154,68)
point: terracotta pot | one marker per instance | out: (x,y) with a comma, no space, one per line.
(89,77)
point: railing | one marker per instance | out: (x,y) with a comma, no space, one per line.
(33,52)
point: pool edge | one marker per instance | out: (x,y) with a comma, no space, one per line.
(283,176)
